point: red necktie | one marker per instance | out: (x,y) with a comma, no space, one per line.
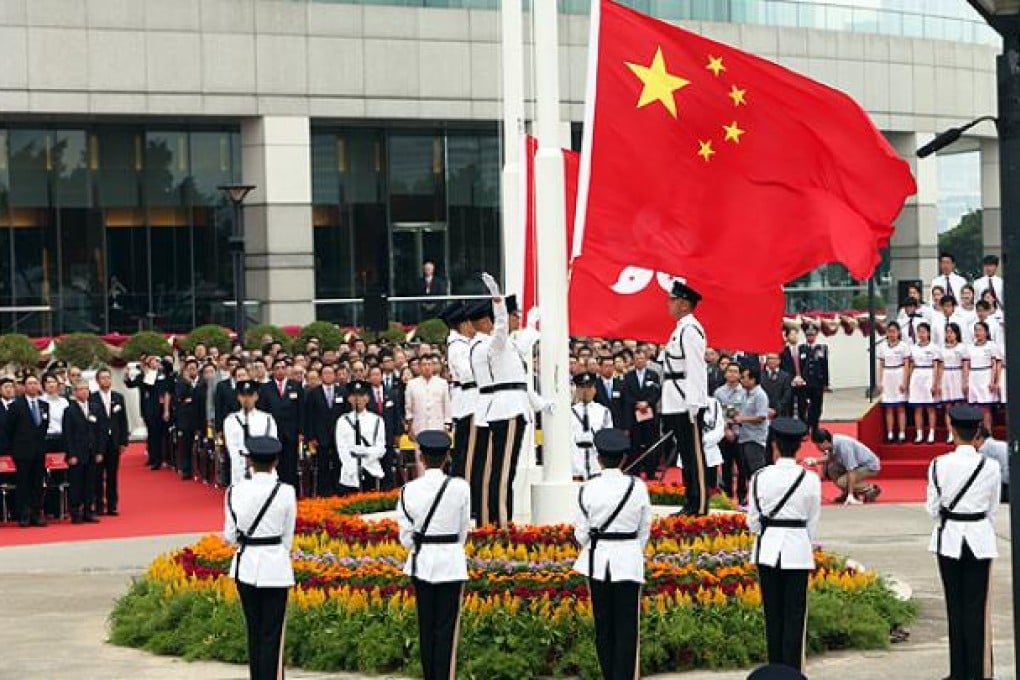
(280,385)
(379,400)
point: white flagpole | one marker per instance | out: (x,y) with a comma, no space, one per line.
(512,46)
(553,500)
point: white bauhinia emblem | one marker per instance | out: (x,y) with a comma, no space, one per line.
(633,280)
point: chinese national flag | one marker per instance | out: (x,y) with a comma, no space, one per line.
(743,174)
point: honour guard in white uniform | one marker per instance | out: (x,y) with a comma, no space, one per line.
(963,495)
(360,442)
(507,413)
(463,388)
(240,426)
(259,519)
(685,394)
(479,450)
(434,518)
(612,527)
(785,503)
(589,417)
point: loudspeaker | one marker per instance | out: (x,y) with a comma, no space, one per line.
(902,288)
(376,309)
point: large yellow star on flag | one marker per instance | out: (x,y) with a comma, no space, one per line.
(659,84)
(733,132)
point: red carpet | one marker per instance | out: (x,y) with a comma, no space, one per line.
(151,503)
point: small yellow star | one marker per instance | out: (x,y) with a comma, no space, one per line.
(737,95)
(706,151)
(659,84)
(733,132)
(715,65)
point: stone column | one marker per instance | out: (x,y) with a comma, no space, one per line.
(991,213)
(913,250)
(276,157)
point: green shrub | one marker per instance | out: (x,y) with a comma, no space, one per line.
(432,331)
(210,335)
(253,337)
(19,350)
(860,303)
(145,342)
(394,335)
(84,350)
(328,334)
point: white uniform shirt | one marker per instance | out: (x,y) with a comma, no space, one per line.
(427,404)
(685,353)
(264,566)
(996,333)
(712,434)
(952,284)
(373,432)
(506,366)
(790,548)
(57,407)
(983,283)
(982,357)
(462,401)
(260,424)
(437,562)
(953,470)
(907,320)
(598,498)
(599,418)
(478,355)
(939,323)
(893,356)
(925,356)
(524,340)
(999,452)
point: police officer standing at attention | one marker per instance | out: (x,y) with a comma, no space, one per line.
(785,503)
(463,388)
(260,516)
(612,527)
(963,495)
(589,417)
(814,370)
(480,450)
(434,517)
(685,394)
(242,425)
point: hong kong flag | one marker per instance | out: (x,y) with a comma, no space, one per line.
(734,172)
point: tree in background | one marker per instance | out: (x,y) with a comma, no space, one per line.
(966,242)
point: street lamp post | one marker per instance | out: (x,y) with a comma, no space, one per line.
(236,193)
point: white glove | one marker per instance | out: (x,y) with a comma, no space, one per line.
(534,316)
(490,284)
(810,462)
(548,406)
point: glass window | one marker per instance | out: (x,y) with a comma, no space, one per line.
(415,164)
(474,229)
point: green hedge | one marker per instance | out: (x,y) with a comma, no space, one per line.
(145,342)
(210,335)
(18,349)
(253,336)
(328,334)
(84,350)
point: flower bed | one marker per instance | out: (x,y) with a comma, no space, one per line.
(526,613)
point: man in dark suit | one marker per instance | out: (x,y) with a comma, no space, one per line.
(27,422)
(187,416)
(111,440)
(226,395)
(777,384)
(641,391)
(388,404)
(6,401)
(814,369)
(284,399)
(323,405)
(151,385)
(609,389)
(430,285)
(79,428)
(789,362)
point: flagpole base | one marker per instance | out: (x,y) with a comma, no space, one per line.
(553,502)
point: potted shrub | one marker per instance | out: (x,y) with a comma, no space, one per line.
(328,334)
(209,335)
(254,337)
(18,350)
(145,342)
(84,350)
(432,331)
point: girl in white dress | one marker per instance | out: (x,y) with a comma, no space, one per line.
(953,355)
(981,372)
(893,358)
(925,379)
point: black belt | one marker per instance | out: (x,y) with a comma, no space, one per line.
(916,366)
(949,516)
(595,537)
(434,539)
(896,366)
(952,368)
(767,523)
(465,386)
(503,387)
(981,368)
(258,540)
(583,445)
(677,375)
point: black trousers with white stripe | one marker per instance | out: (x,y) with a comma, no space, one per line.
(616,607)
(687,437)
(265,612)
(461,441)
(507,436)
(965,582)
(438,607)
(784,599)
(478,461)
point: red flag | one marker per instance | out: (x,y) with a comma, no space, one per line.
(746,173)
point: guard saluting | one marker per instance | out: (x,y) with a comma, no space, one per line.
(612,528)
(434,517)
(244,424)
(963,494)
(260,515)
(463,388)
(589,417)
(786,501)
(685,394)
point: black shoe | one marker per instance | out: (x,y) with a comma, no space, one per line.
(112,512)
(38,522)
(91,518)
(24,522)
(77,519)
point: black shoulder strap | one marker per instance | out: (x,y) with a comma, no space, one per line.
(263,509)
(619,508)
(435,505)
(580,501)
(789,493)
(230,505)
(359,438)
(935,475)
(966,487)
(579,418)
(403,506)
